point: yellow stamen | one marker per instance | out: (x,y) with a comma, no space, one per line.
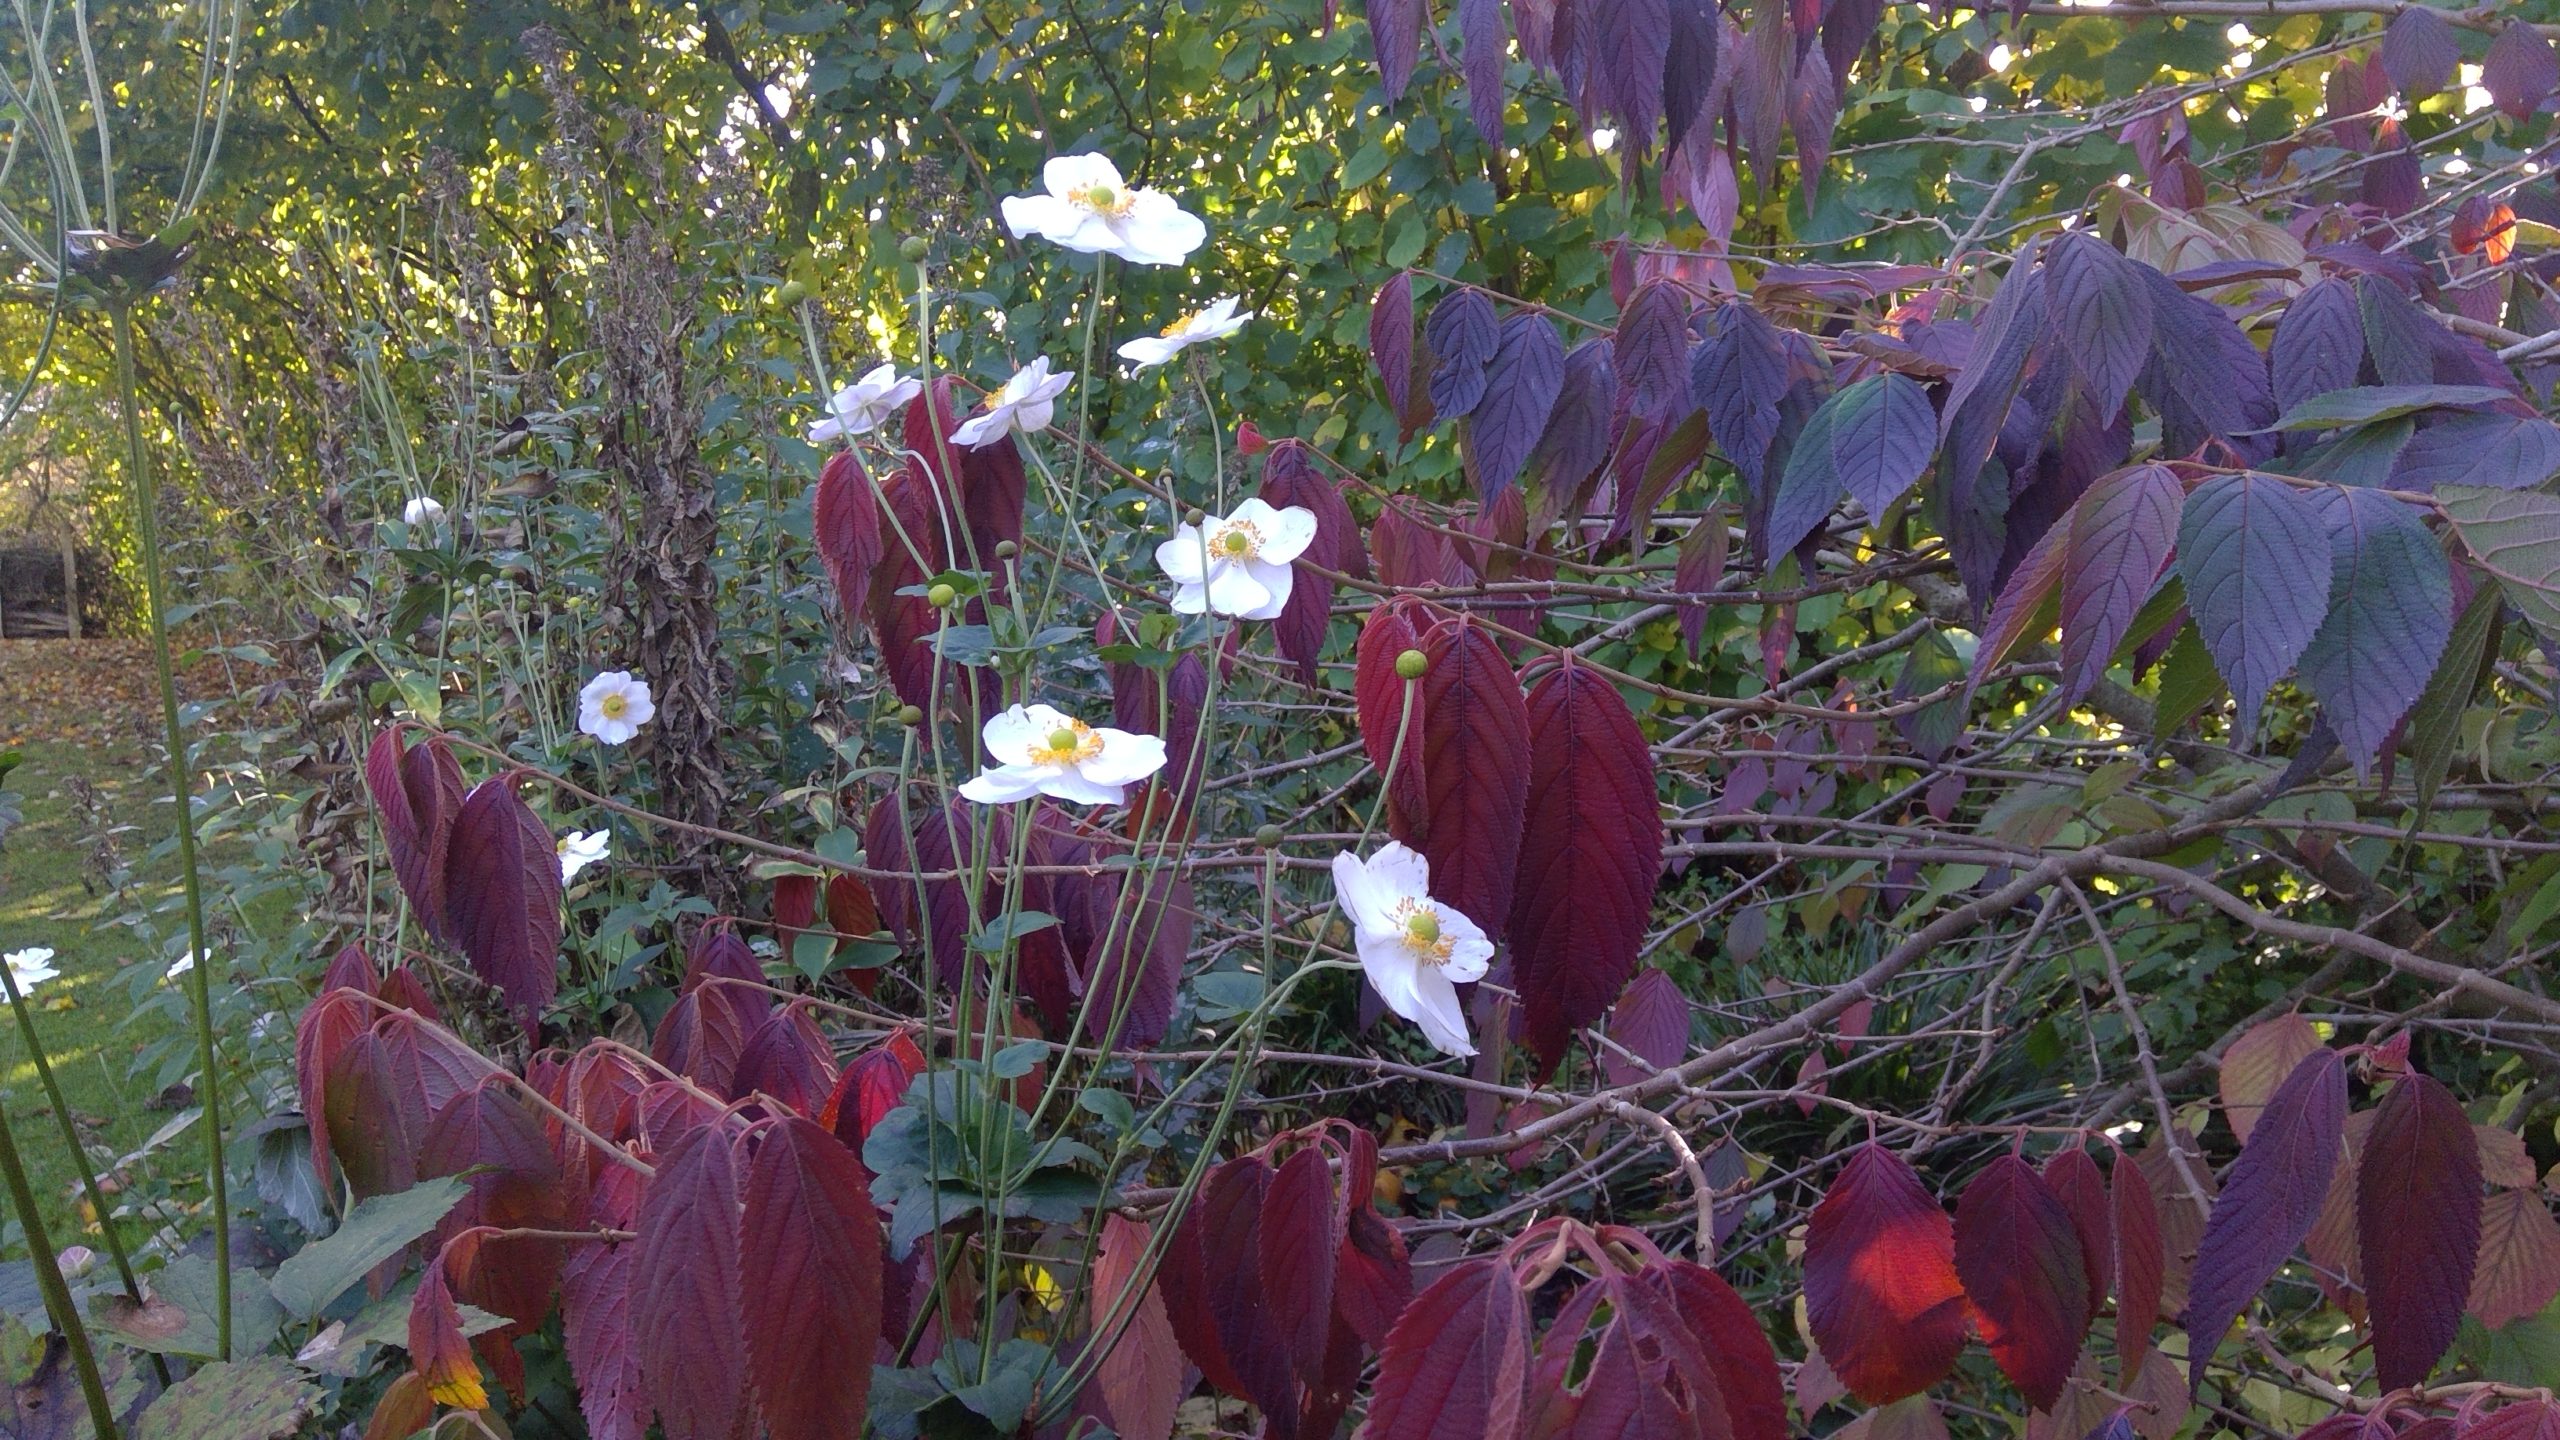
(1070,744)
(1238,539)
(1180,325)
(615,706)
(1421,926)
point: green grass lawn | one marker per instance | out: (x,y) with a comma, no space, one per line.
(88,1027)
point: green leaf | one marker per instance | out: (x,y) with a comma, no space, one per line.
(263,1398)
(1228,992)
(2368,403)
(1015,1061)
(375,1231)
(2515,535)
(1007,930)
(2188,682)
(177,1314)
(2435,725)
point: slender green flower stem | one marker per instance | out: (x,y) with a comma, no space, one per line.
(57,1296)
(146,504)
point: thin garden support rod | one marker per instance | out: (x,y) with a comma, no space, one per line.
(146,504)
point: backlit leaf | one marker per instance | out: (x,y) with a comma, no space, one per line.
(2519,1268)
(1880,1283)
(2257,1063)
(2020,1259)
(2138,1264)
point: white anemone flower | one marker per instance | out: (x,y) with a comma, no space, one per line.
(1090,209)
(425,510)
(859,408)
(1415,950)
(1241,566)
(614,706)
(580,849)
(1214,321)
(1025,403)
(1042,751)
(31,967)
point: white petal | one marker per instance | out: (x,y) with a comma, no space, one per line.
(984,429)
(1392,971)
(604,684)
(825,430)
(1091,234)
(1469,952)
(1357,889)
(1235,590)
(1159,231)
(1054,386)
(1401,872)
(1288,534)
(1045,718)
(1067,174)
(1047,215)
(1256,512)
(643,709)
(1009,734)
(1066,784)
(897,396)
(878,381)
(1189,599)
(1182,556)
(1125,758)
(1275,582)
(1437,1010)
(1149,351)
(1033,415)
(1004,784)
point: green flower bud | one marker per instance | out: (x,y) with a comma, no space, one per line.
(790,293)
(1411,664)
(1268,837)
(914,248)
(910,715)
(941,596)
(1006,549)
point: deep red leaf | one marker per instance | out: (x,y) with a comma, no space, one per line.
(702,1036)
(1453,1366)
(788,1058)
(1648,1378)
(1184,1277)
(437,1348)
(845,517)
(2270,1199)
(2417,1226)
(1734,1344)
(595,1315)
(1373,1280)
(874,1084)
(2020,1260)
(2074,1180)
(1652,1020)
(902,625)
(1813,112)
(1880,1283)
(811,1259)
(2521,1420)
(417,793)
(1590,856)
(1302,1231)
(1475,735)
(719,954)
(335,1020)
(1393,738)
(1289,478)
(502,888)
(1140,1381)
(492,1136)
(2138,1264)
(685,1290)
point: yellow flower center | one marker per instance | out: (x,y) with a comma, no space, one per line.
(615,705)
(1072,743)
(1235,540)
(1421,926)
(1180,325)
(1104,200)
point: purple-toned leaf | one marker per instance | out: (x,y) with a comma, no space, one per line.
(1456,1362)
(2505,451)
(2011,335)
(2319,344)
(2255,557)
(1230,1216)
(2520,71)
(1481,44)
(787,1058)
(596,1314)
(1520,394)
(686,1291)
(811,1252)
(2419,52)
(2206,378)
(1289,478)
(2020,1260)
(2074,1180)
(1697,571)
(2391,182)
(2122,531)
(1737,377)
(1813,112)
(2391,613)
(1624,43)
(1880,1284)
(2102,313)
(502,889)
(417,792)
(1808,489)
(1463,334)
(1689,68)
(2139,1264)
(1391,735)
(1303,1222)
(1395,38)
(845,517)
(1589,860)
(1582,425)
(1474,737)
(1847,25)
(2397,334)
(1653,339)
(2417,1226)
(1651,1020)
(2270,1199)
(1883,434)
(2027,607)
(1391,348)
(903,625)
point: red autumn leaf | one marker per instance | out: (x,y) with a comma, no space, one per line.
(1391,736)
(2523,1420)
(685,1291)
(502,893)
(2417,1226)
(405,1409)
(717,953)
(1410,554)
(1140,1379)
(1401,364)
(491,1137)
(1373,1280)
(845,517)
(670,1110)
(2258,1062)
(869,1088)
(1454,1363)
(2481,223)
(1184,1278)
(329,1024)
(1651,1020)
(787,1058)
(437,1347)
(369,1123)
(1289,478)
(403,990)
(1648,1379)
(1230,1216)
(2270,1199)
(901,625)
(795,905)
(1589,858)
(811,1258)
(2020,1261)
(1475,740)
(2138,1264)
(2519,1269)
(2074,1180)
(1736,1348)
(417,792)
(596,1316)
(702,1036)
(350,969)
(1301,1240)
(1880,1283)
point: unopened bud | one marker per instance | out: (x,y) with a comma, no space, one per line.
(910,715)
(914,248)
(1411,664)
(790,293)
(1195,517)
(940,596)
(1268,837)
(1006,549)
